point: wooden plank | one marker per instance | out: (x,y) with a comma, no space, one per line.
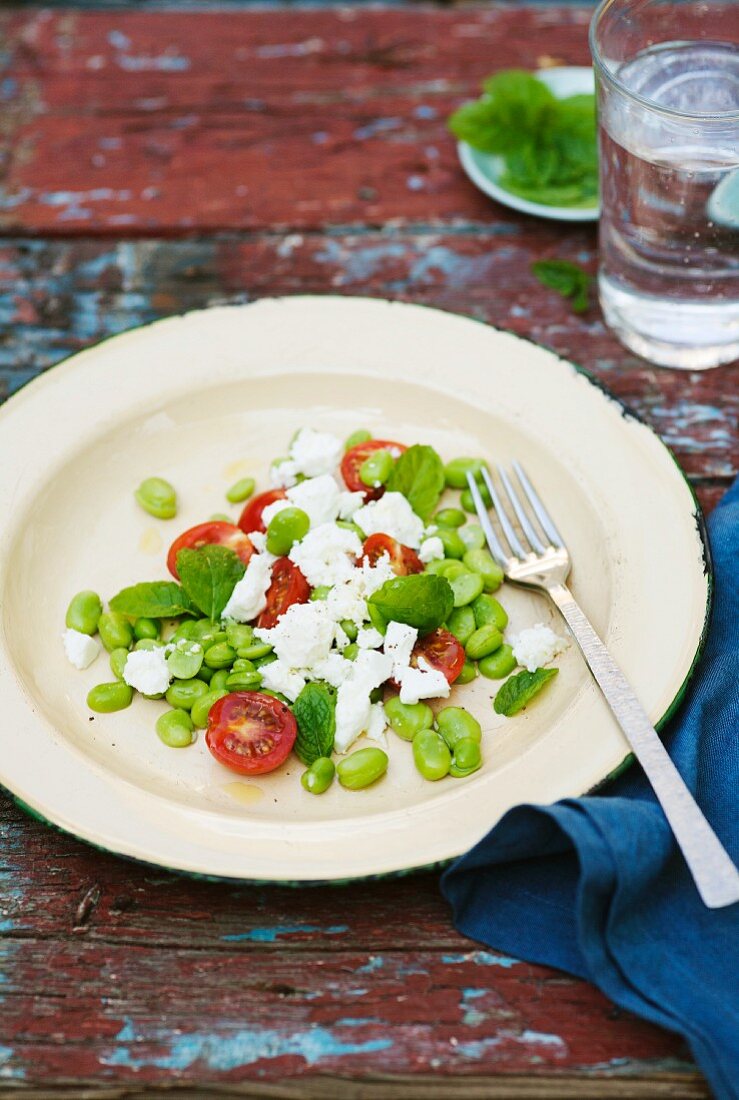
(161,122)
(59,296)
(115,971)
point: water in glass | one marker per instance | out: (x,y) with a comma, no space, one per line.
(669,281)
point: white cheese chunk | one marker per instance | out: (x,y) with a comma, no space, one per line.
(349,600)
(432,549)
(146,670)
(341,637)
(423,682)
(349,503)
(537,646)
(302,636)
(81,649)
(315,453)
(283,474)
(369,638)
(249,596)
(271,511)
(277,676)
(334,669)
(399,642)
(326,555)
(258,540)
(319,497)
(391,515)
(377,725)
(353,705)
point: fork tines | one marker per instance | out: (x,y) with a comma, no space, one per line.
(539,538)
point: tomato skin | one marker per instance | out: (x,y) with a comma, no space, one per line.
(250,733)
(288,586)
(353,459)
(442,651)
(403,560)
(251,517)
(215,533)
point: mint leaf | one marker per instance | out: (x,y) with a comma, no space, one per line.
(548,145)
(209,576)
(153,600)
(423,600)
(514,105)
(314,711)
(419,475)
(520,689)
(568,279)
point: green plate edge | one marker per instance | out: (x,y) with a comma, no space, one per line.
(628,413)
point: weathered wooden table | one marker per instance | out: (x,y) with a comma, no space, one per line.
(157,161)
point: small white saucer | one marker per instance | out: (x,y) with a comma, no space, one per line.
(485,170)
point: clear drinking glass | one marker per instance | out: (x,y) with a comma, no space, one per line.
(667,77)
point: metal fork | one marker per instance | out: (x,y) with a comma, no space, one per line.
(538,558)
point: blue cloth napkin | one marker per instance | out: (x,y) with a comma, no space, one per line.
(596,885)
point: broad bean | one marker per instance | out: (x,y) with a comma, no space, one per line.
(157,497)
(319,776)
(115,631)
(174,728)
(106,698)
(362,768)
(407,719)
(84,612)
(431,755)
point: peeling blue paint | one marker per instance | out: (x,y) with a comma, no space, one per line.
(377,126)
(163,63)
(225,1052)
(118,40)
(374,963)
(478,1048)
(482,958)
(270,935)
(471,1016)
(356,1021)
(423,110)
(415,183)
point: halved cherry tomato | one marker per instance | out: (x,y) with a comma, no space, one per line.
(442,651)
(250,733)
(353,459)
(403,560)
(251,518)
(288,586)
(217,533)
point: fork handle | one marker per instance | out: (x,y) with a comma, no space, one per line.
(715,876)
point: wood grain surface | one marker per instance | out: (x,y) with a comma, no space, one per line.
(153,162)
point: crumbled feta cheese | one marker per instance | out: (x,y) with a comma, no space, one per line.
(272,509)
(537,646)
(334,669)
(353,705)
(146,670)
(315,453)
(277,676)
(377,725)
(341,637)
(349,503)
(423,682)
(283,474)
(249,596)
(319,497)
(302,636)
(325,556)
(349,600)
(399,642)
(432,529)
(391,515)
(369,638)
(432,549)
(80,648)
(258,540)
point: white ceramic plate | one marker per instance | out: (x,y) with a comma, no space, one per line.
(209,397)
(485,171)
